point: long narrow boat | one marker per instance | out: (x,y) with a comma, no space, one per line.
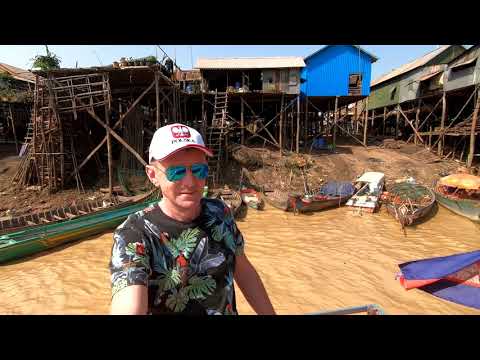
(409,203)
(367,197)
(28,241)
(331,194)
(460,193)
(67,212)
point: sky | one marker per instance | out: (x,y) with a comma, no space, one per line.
(390,56)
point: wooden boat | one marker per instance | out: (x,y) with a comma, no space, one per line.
(67,212)
(252,199)
(276,198)
(231,198)
(331,194)
(366,198)
(408,203)
(31,240)
(460,193)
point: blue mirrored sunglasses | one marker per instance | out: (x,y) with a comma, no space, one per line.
(177,173)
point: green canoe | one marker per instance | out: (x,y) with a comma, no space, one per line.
(18,244)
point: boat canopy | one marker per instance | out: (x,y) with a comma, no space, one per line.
(371,177)
(461,181)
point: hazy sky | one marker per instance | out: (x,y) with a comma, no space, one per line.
(390,56)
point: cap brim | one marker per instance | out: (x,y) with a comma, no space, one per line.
(206,150)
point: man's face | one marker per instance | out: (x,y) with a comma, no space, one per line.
(187,192)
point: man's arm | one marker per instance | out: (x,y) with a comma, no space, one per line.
(252,287)
(131,300)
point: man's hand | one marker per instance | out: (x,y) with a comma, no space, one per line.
(252,287)
(131,300)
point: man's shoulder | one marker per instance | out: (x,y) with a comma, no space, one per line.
(136,221)
(215,206)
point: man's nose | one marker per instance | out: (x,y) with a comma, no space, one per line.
(188,180)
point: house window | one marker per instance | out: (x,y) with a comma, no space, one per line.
(393,92)
(355,84)
(293,80)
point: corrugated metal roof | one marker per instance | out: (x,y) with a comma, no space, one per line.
(464,63)
(250,63)
(373,57)
(428,76)
(17,73)
(411,65)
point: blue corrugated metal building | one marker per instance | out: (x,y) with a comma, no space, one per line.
(337,70)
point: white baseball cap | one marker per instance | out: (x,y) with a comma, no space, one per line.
(172,138)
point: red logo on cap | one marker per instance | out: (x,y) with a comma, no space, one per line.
(180,132)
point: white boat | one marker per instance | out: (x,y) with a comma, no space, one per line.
(371,187)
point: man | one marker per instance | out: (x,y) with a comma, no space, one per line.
(182,254)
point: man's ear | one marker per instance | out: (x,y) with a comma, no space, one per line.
(150,171)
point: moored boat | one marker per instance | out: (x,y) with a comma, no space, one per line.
(409,203)
(366,198)
(460,193)
(28,241)
(252,198)
(331,194)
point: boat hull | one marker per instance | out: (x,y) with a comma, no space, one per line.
(463,207)
(28,242)
(411,218)
(316,205)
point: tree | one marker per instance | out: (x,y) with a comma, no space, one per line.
(48,62)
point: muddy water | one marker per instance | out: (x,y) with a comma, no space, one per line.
(309,263)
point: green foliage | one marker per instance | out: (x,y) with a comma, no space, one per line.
(6,80)
(47,62)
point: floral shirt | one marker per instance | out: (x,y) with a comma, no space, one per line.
(188,268)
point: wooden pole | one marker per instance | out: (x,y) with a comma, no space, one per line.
(430,138)
(335,114)
(384,119)
(365,123)
(298,124)
(472,131)
(13,126)
(417,119)
(373,117)
(355,116)
(442,124)
(305,130)
(397,123)
(109,150)
(157,98)
(242,123)
(280,135)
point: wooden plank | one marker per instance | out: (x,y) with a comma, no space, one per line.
(472,132)
(365,123)
(298,125)
(410,123)
(335,122)
(157,99)
(117,137)
(442,124)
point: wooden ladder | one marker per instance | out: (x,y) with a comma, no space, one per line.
(216,136)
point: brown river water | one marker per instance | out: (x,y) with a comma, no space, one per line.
(328,260)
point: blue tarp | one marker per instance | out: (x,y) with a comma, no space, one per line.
(454,278)
(337,188)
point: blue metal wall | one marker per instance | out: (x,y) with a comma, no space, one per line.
(327,72)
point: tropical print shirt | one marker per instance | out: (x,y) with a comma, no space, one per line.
(187,268)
